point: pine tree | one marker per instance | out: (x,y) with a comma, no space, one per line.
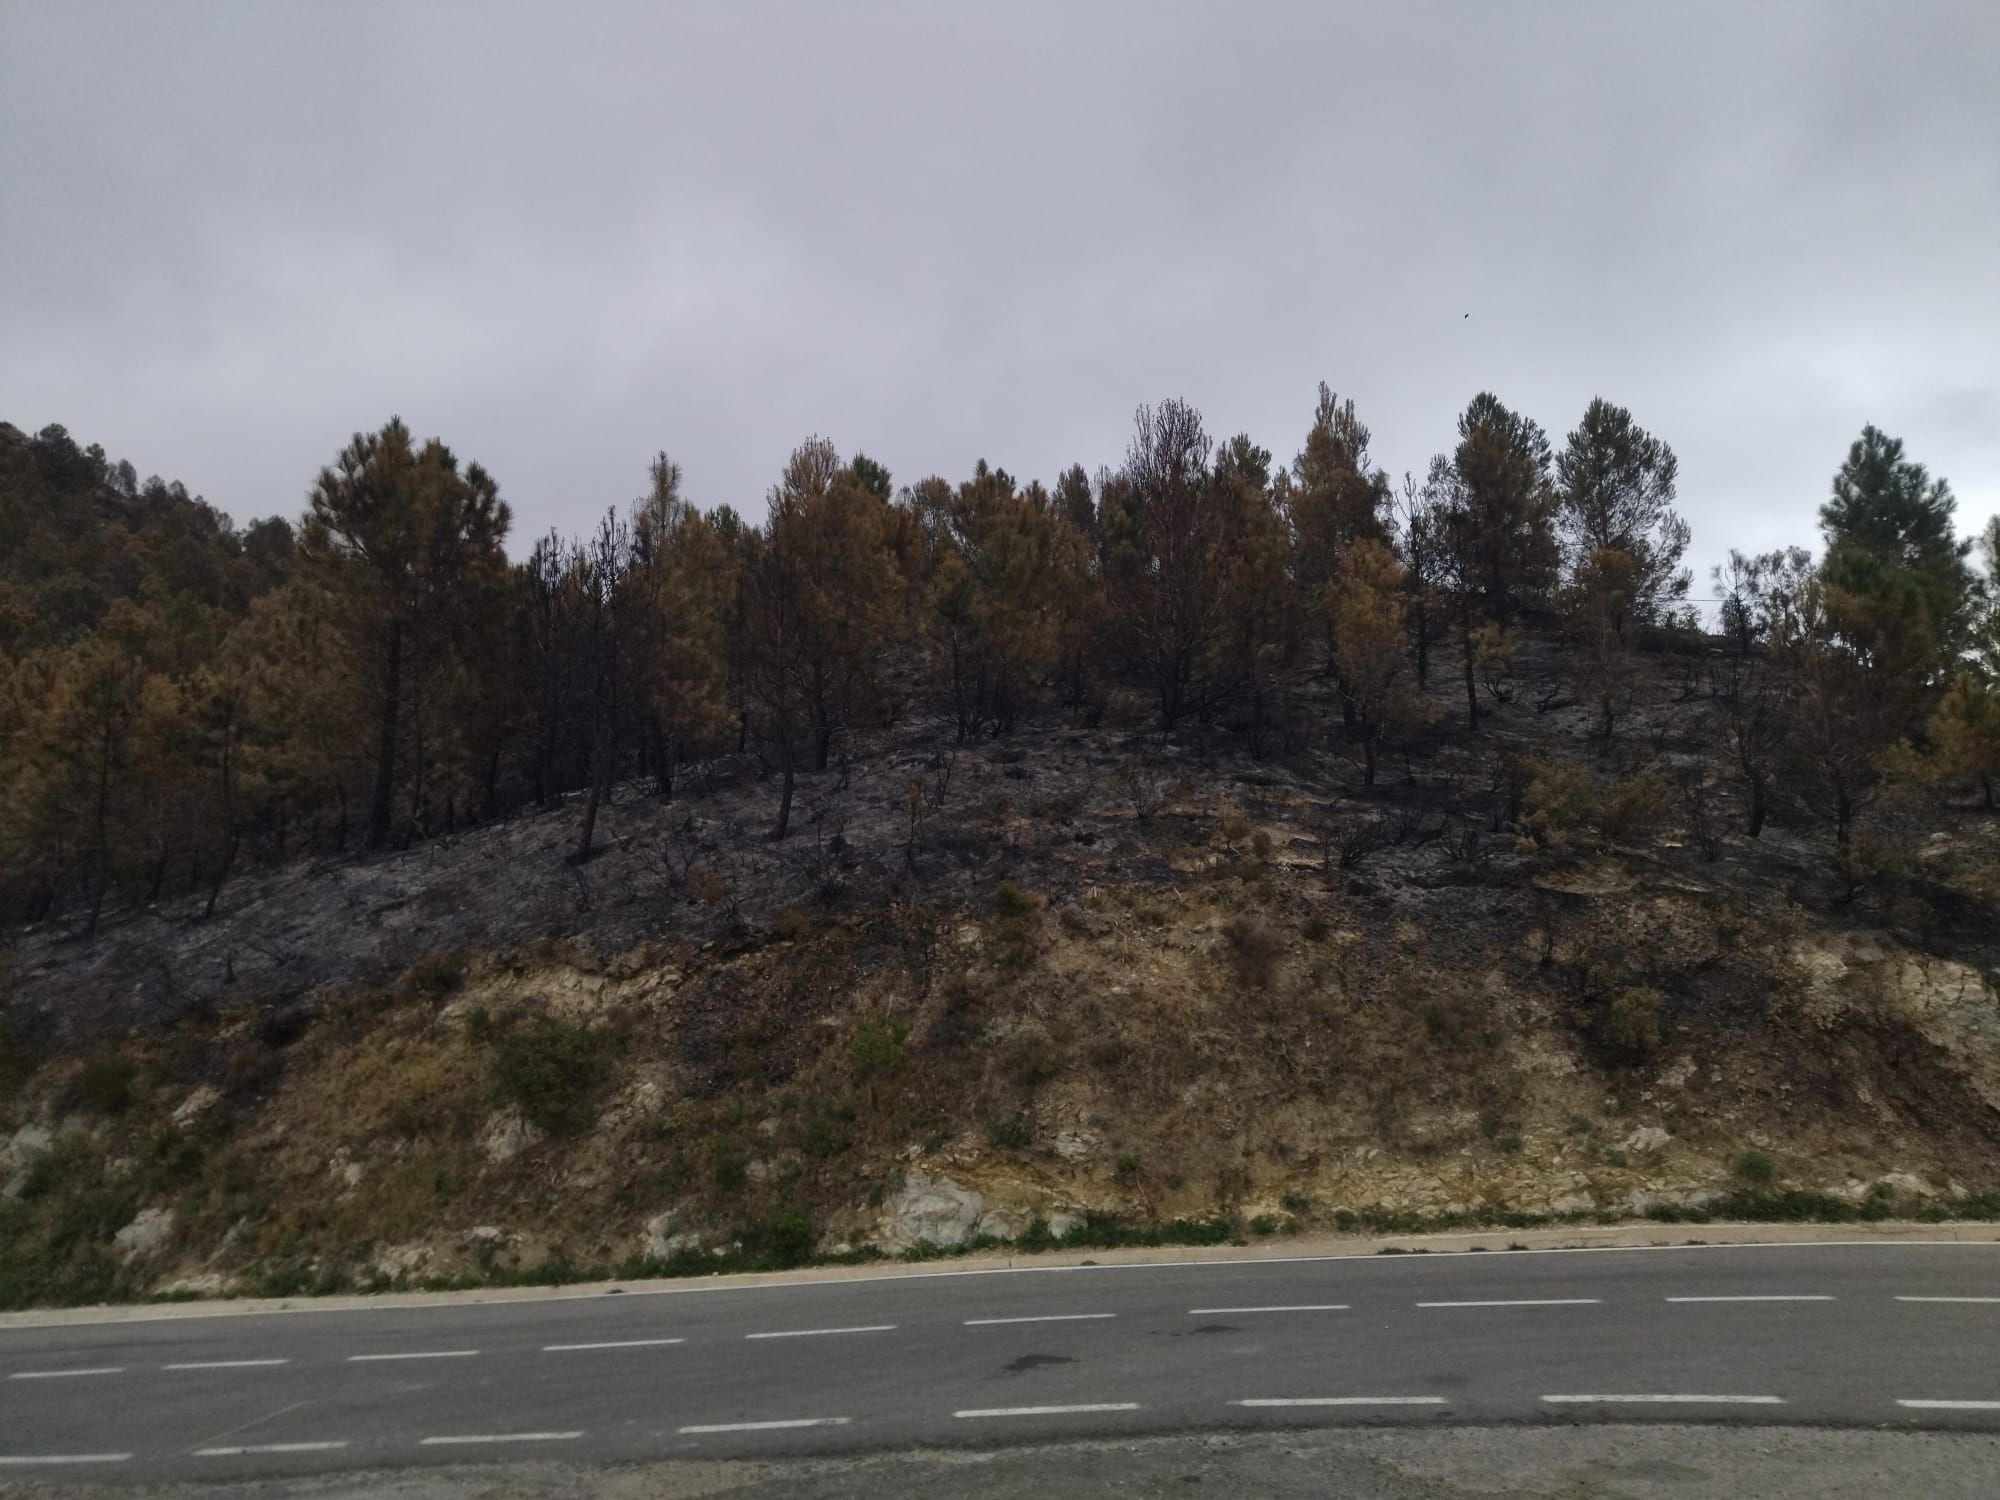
(412,546)
(1615,483)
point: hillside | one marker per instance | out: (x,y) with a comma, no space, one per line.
(1103,981)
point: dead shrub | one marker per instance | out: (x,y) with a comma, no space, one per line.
(1256,949)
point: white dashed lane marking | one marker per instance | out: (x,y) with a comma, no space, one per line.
(1044,1318)
(813,1333)
(1780,1297)
(1934,1405)
(1665,1400)
(226,1364)
(1343,1401)
(766,1426)
(1047,1411)
(614,1344)
(66,1374)
(254,1448)
(1949,1299)
(474,1438)
(362,1359)
(1211,1312)
(1524,1302)
(30,1460)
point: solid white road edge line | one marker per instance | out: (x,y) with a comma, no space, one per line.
(1344,1401)
(249,1448)
(1205,1312)
(65,1374)
(25,1460)
(1948,1299)
(766,1426)
(464,1439)
(1044,1318)
(1952,1405)
(1047,1411)
(1524,1302)
(1774,1297)
(813,1333)
(225,1364)
(1659,1400)
(362,1359)
(614,1344)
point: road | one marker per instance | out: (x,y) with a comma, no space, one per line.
(1881,1335)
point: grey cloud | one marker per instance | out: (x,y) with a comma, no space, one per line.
(563,237)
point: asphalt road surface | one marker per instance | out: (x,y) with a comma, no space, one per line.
(1884,1335)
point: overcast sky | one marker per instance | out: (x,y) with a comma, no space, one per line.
(564,236)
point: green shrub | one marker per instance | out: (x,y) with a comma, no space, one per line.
(1032,1061)
(553,1071)
(105,1085)
(877,1048)
(1631,809)
(1013,1133)
(1757,1169)
(1011,939)
(1126,1169)
(436,976)
(1629,1027)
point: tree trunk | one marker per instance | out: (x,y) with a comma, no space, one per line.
(600,780)
(785,797)
(1757,807)
(1471,680)
(100,852)
(385,755)
(221,875)
(1423,633)
(1368,757)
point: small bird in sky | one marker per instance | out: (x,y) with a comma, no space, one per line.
(1468,315)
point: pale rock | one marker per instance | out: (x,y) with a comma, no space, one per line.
(659,1240)
(201,1284)
(507,1135)
(1647,1138)
(1074,1145)
(1572,1203)
(399,1261)
(18,1152)
(1907,1185)
(482,1236)
(1061,1224)
(933,1209)
(146,1234)
(197,1104)
(1001,1224)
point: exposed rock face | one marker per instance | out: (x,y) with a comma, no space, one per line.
(146,1234)
(931,1208)
(1647,1138)
(662,1240)
(17,1153)
(506,1136)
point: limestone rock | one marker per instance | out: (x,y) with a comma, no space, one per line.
(1001,1223)
(935,1209)
(507,1135)
(197,1104)
(1647,1138)
(1061,1224)
(1074,1145)
(661,1240)
(17,1153)
(146,1234)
